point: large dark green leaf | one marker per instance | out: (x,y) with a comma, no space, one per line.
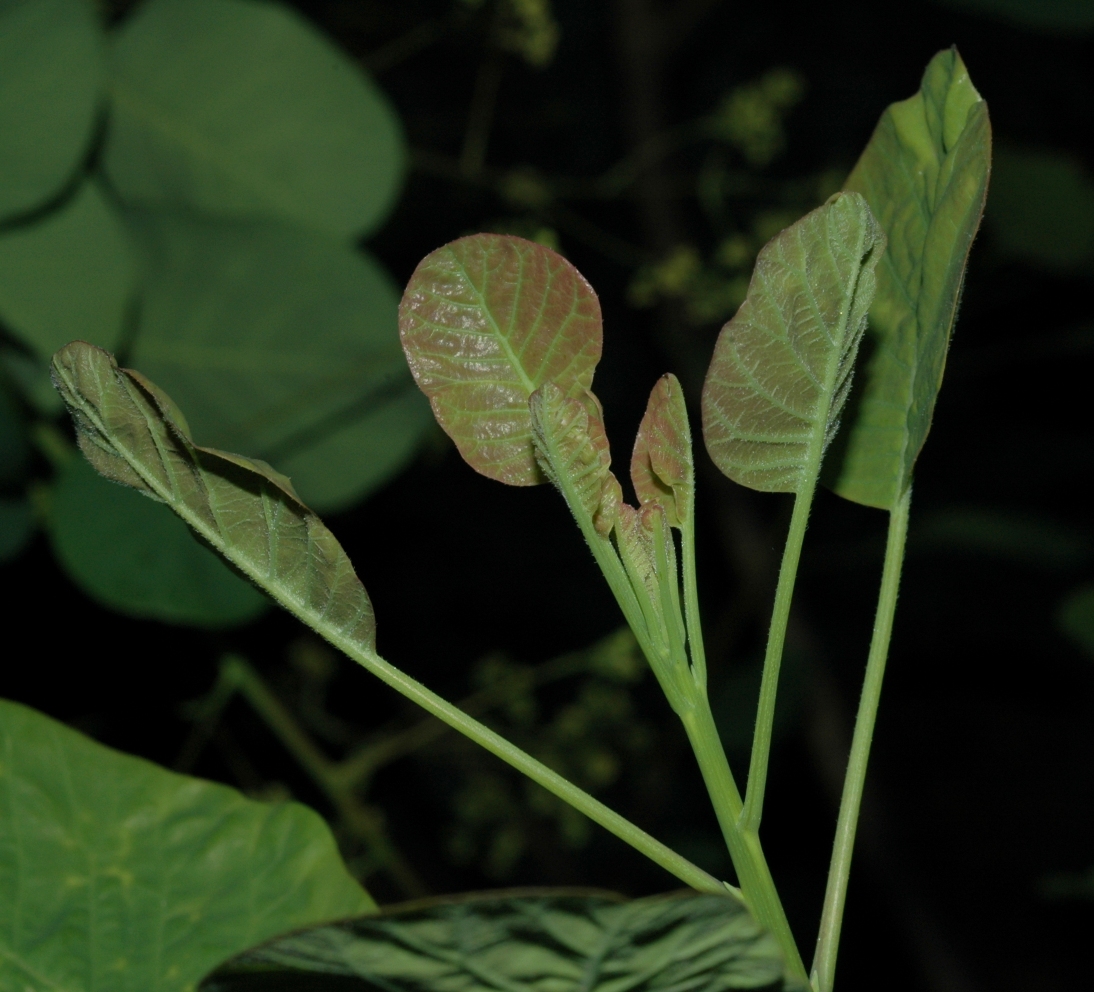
(135,556)
(70,275)
(51,75)
(241,107)
(487,320)
(134,434)
(925,175)
(119,876)
(782,365)
(281,343)
(564,942)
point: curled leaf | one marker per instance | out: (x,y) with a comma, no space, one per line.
(782,365)
(925,175)
(662,466)
(134,434)
(485,321)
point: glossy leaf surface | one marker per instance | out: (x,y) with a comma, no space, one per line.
(119,876)
(925,175)
(241,107)
(584,942)
(487,320)
(281,343)
(137,557)
(71,275)
(134,434)
(51,80)
(782,365)
(662,465)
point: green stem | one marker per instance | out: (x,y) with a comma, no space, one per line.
(691,604)
(754,876)
(512,755)
(824,963)
(776,639)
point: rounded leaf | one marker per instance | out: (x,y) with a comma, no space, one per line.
(487,320)
(241,107)
(51,81)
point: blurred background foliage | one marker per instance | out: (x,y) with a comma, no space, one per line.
(229,193)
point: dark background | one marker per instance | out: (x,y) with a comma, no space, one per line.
(982,776)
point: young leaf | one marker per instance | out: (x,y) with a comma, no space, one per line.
(782,365)
(135,556)
(662,467)
(243,108)
(487,320)
(118,876)
(283,343)
(133,433)
(925,175)
(565,941)
(51,77)
(72,274)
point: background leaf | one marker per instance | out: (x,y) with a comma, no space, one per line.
(132,433)
(241,107)
(120,876)
(16,526)
(282,343)
(1076,617)
(562,941)
(925,175)
(71,275)
(662,465)
(782,365)
(51,76)
(1041,209)
(487,320)
(135,556)
(1057,16)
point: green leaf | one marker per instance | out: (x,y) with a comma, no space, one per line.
(782,365)
(283,343)
(487,320)
(241,107)
(925,175)
(1076,617)
(1041,209)
(135,556)
(1054,16)
(662,465)
(133,433)
(16,526)
(559,941)
(70,275)
(14,445)
(119,876)
(51,77)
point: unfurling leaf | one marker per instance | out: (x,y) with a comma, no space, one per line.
(571,441)
(662,466)
(925,175)
(563,941)
(487,320)
(134,434)
(782,365)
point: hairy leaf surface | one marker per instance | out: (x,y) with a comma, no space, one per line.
(241,107)
(133,433)
(662,465)
(119,876)
(565,942)
(283,343)
(71,275)
(137,557)
(51,81)
(487,320)
(925,175)
(782,365)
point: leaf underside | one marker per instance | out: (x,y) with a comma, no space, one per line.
(119,876)
(134,434)
(782,365)
(485,321)
(925,175)
(584,942)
